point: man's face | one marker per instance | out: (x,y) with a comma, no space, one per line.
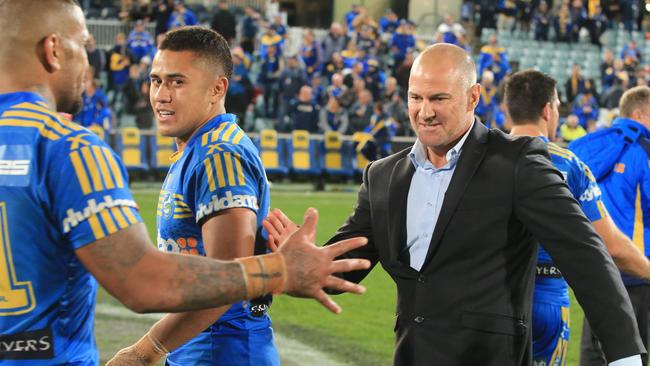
(440,103)
(182,91)
(69,82)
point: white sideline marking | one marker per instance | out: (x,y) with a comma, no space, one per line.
(291,350)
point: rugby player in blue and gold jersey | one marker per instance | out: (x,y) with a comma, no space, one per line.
(68,220)
(213,200)
(532,103)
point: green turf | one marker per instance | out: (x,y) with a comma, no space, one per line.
(361,335)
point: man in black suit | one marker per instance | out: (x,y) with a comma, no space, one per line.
(453,221)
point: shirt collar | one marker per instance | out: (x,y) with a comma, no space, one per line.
(418,154)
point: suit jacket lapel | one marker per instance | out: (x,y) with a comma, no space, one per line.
(471,156)
(398,189)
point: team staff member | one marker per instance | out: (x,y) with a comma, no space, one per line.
(67,216)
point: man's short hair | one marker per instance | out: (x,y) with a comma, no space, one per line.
(526,94)
(204,42)
(634,98)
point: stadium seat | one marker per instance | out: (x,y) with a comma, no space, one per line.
(360,139)
(302,154)
(131,148)
(336,158)
(161,152)
(98,130)
(272,152)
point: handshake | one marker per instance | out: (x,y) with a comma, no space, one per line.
(296,267)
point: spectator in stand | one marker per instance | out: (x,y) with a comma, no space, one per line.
(506,18)
(404,70)
(367,40)
(336,87)
(450,29)
(96,57)
(336,65)
(487,14)
(463,43)
(641,77)
(488,101)
(270,39)
(590,86)
(162,11)
(389,22)
(269,74)
(224,22)
(350,54)
(629,8)
(493,57)
(141,11)
(334,42)
(360,112)
(631,54)
(140,42)
(382,128)
(119,59)
(292,78)
(350,16)
(279,26)
(607,75)
(94,110)
(181,16)
(333,117)
(303,113)
(310,53)
(318,90)
(586,108)
(574,85)
(571,129)
(613,95)
(612,10)
(375,78)
(524,14)
(578,18)
(542,21)
(395,107)
(133,96)
(563,24)
(249,29)
(596,24)
(403,41)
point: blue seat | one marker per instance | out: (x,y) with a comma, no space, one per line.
(272,152)
(336,157)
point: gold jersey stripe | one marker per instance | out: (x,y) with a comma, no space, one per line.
(108,221)
(92,169)
(240,171)
(79,169)
(218,164)
(96,227)
(37,125)
(226,135)
(208,172)
(103,167)
(54,125)
(121,221)
(238,136)
(129,215)
(117,173)
(229,169)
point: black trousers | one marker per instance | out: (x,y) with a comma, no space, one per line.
(591,353)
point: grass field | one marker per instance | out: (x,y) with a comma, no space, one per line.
(361,335)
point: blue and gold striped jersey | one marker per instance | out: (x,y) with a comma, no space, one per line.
(61,188)
(218,169)
(550,286)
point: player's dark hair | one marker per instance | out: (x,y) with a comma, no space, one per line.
(204,42)
(526,94)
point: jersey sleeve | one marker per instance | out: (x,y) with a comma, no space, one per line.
(89,190)
(223,179)
(587,191)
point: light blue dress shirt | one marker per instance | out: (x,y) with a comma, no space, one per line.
(425,198)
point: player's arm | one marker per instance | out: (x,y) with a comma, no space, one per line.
(227,235)
(626,255)
(128,266)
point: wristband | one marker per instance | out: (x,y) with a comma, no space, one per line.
(150,348)
(263,274)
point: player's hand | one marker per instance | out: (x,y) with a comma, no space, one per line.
(129,357)
(279,227)
(311,268)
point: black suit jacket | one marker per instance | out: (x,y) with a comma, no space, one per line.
(471,302)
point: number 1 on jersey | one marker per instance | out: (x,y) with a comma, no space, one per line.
(16,297)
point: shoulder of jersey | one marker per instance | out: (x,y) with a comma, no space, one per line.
(558,151)
(228,137)
(36,116)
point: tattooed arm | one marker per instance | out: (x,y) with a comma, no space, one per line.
(145,280)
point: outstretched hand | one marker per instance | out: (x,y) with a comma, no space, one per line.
(279,227)
(311,268)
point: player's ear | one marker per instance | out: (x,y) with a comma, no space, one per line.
(220,88)
(49,53)
(546,111)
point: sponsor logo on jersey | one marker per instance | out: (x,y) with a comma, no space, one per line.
(591,193)
(74,218)
(187,245)
(35,344)
(168,205)
(228,201)
(14,167)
